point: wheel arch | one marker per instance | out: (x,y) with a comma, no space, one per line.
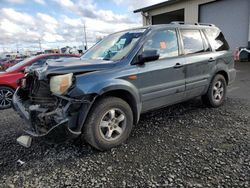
(224,74)
(5,85)
(127,97)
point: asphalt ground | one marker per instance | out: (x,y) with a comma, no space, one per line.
(184,145)
(241,87)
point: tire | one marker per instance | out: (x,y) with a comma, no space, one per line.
(216,93)
(6,95)
(109,123)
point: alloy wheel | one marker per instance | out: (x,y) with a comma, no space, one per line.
(112,124)
(5,98)
(218,91)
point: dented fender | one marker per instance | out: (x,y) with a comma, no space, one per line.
(101,87)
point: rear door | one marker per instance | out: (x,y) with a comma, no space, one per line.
(162,82)
(199,61)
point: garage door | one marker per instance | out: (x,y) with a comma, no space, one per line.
(231,16)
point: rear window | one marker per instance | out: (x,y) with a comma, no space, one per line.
(217,39)
(192,41)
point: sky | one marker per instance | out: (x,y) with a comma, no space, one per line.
(58,23)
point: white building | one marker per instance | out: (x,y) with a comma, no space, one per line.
(231,16)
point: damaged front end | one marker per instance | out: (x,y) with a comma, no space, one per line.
(48,114)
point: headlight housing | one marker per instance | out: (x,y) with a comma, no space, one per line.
(60,84)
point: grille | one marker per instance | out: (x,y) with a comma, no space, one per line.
(40,92)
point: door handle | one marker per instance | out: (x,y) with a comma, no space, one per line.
(178,65)
(211,59)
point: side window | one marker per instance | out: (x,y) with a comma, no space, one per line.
(40,61)
(67,56)
(59,56)
(192,41)
(54,57)
(206,44)
(217,39)
(165,42)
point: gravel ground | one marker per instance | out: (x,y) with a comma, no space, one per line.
(186,145)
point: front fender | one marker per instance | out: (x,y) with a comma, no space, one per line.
(99,83)
(118,84)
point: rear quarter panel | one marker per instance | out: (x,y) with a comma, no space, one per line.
(224,62)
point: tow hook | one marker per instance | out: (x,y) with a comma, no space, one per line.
(24,140)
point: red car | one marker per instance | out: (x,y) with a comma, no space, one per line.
(9,77)
(10,63)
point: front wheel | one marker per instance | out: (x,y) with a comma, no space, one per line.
(6,95)
(109,123)
(216,93)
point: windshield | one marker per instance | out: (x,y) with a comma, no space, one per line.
(115,46)
(18,65)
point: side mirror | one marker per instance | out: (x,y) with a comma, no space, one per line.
(148,55)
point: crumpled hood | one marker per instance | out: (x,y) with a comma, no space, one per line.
(70,65)
(64,66)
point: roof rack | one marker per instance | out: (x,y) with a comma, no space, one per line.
(182,23)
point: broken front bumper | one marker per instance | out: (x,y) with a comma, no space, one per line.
(67,127)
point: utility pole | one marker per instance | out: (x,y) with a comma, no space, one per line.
(17,47)
(40,46)
(85,37)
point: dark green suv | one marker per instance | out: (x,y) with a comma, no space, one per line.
(101,96)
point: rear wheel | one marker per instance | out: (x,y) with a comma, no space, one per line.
(109,123)
(6,95)
(216,93)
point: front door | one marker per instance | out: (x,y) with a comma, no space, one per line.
(162,82)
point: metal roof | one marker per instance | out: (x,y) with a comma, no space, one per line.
(165,3)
